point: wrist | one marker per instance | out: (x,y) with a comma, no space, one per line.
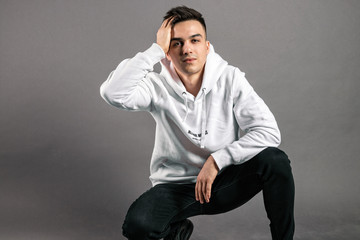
(213,162)
(162,47)
(155,52)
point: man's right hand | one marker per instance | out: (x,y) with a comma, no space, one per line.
(163,35)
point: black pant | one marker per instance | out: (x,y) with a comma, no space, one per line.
(154,212)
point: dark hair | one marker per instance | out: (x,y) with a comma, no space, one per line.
(183,13)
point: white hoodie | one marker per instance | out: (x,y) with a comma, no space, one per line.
(188,128)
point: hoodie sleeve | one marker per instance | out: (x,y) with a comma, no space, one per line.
(127,86)
(255,119)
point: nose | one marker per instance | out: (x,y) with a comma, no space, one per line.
(187,49)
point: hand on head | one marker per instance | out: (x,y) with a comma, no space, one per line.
(163,35)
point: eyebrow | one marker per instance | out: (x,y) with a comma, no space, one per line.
(192,36)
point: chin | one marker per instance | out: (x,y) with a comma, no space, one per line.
(191,70)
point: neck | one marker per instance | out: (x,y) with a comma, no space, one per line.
(192,82)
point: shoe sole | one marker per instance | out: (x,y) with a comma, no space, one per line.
(189,231)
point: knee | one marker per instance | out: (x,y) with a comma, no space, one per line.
(147,218)
(136,227)
(139,224)
(275,161)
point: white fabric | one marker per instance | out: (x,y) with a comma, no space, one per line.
(188,128)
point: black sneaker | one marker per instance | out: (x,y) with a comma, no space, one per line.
(183,231)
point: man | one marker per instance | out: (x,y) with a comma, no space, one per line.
(200,163)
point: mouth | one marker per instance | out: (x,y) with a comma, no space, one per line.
(189,60)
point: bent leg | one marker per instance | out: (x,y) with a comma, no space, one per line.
(269,171)
(151,215)
(278,192)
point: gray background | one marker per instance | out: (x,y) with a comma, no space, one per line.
(71,165)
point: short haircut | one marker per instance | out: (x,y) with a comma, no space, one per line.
(183,13)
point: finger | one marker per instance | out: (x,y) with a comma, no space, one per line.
(208,192)
(199,193)
(165,23)
(168,21)
(196,191)
(202,193)
(201,199)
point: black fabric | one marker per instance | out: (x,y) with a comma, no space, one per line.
(156,211)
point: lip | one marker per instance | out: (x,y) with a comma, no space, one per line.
(189,60)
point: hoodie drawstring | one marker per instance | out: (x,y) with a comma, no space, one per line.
(203,119)
(186,106)
(203,115)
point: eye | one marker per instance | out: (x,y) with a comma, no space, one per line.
(176,44)
(195,40)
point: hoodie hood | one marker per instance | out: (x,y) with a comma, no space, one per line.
(214,67)
(188,129)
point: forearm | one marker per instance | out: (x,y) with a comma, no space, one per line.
(249,145)
(126,86)
(255,119)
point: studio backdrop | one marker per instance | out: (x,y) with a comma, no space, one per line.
(71,165)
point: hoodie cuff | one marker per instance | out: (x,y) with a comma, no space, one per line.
(222,158)
(155,53)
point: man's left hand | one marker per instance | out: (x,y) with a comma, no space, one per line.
(205,180)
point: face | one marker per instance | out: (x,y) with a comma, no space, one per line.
(188,48)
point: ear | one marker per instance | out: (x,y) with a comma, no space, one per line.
(168,56)
(207,47)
